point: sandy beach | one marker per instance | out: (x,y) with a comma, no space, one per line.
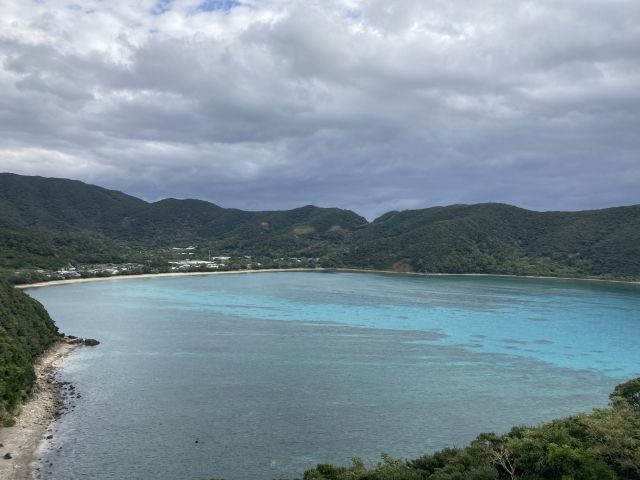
(160,275)
(22,440)
(272,270)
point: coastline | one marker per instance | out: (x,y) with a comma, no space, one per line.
(168,274)
(23,440)
(290,270)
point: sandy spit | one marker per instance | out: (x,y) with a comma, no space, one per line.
(22,440)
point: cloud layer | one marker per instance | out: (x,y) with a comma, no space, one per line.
(365,104)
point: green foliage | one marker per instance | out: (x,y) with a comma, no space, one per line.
(26,330)
(9,422)
(502,239)
(603,445)
(49,223)
(628,392)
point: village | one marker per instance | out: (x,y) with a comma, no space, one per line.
(173,259)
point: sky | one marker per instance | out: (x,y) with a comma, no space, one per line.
(371,105)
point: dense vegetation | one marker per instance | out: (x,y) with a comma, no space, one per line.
(603,445)
(49,223)
(26,330)
(497,238)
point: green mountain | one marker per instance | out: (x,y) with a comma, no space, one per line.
(49,222)
(61,204)
(26,330)
(502,239)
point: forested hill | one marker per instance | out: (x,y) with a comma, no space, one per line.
(26,330)
(48,223)
(498,238)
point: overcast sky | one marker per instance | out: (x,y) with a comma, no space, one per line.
(371,105)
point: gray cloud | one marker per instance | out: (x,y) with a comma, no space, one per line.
(365,104)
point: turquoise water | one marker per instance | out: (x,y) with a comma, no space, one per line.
(274,372)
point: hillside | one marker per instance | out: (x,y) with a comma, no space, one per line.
(502,239)
(26,330)
(61,205)
(49,222)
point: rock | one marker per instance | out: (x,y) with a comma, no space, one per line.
(49,437)
(71,337)
(7,456)
(91,342)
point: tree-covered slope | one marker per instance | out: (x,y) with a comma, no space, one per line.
(170,221)
(62,205)
(498,238)
(26,330)
(48,222)
(603,445)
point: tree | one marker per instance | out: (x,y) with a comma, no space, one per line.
(628,392)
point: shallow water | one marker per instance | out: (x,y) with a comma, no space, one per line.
(274,372)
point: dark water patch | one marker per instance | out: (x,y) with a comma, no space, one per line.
(514,341)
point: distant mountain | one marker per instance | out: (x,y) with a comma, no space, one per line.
(47,222)
(61,204)
(498,238)
(51,221)
(170,221)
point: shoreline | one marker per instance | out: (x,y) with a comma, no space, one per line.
(162,275)
(291,270)
(23,440)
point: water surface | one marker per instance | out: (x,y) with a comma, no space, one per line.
(274,372)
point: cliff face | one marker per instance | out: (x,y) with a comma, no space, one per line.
(26,330)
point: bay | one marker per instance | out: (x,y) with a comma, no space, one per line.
(264,375)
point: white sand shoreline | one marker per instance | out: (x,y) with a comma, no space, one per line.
(161,275)
(23,440)
(274,270)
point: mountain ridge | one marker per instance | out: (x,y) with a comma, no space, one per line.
(50,221)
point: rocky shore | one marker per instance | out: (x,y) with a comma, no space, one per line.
(50,399)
